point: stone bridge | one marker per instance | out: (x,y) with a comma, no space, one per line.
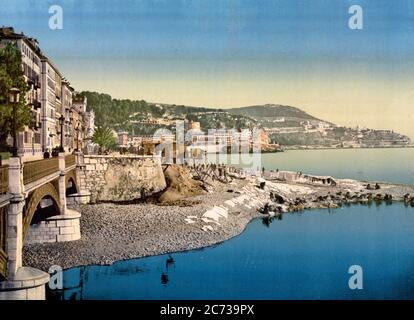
(33,210)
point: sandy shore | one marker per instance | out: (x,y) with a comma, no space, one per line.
(112,232)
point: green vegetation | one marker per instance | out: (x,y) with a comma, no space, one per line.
(131,116)
(4,155)
(272,111)
(104,137)
(143,118)
(116,113)
(11,76)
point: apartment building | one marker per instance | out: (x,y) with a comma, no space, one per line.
(50,130)
(50,96)
(78,122)
(29,141)
(66,109)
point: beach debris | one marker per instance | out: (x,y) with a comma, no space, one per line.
(207,228)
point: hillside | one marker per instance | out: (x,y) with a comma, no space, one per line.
(141,117)
(272,111)
(274,115)
(286,125)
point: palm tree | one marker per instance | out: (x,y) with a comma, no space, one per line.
(104,137)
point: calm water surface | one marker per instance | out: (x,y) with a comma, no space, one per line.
(391,164)
(303,256)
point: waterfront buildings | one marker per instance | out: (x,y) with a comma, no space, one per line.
(52,101)
(29,141)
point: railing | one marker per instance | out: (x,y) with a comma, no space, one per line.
(70,160)
(4,179)
(35,170)
(3,237)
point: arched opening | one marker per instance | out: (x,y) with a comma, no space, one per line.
(40,205)
(46,208)
(71,187)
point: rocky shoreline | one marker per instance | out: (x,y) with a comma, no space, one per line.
(112,232)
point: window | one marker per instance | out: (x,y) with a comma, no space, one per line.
(27,137)
(37,138)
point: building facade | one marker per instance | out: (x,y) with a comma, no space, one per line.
(52,101)
(29,140)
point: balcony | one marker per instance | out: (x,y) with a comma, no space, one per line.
(37,104)
(37,83)
(37,126)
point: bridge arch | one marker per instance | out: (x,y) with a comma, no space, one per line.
(70,183)
(47,190)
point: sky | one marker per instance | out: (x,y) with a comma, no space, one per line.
(233,53)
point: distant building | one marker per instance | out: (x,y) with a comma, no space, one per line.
(77,122)
(192,125)
(67,98)
(51,105)
(123,139)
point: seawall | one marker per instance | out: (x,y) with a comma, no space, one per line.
(120,178)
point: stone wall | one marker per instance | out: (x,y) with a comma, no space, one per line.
(301,178)
(56,229)
(120,178)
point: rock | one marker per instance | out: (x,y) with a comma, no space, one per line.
(278,199)
(378,197)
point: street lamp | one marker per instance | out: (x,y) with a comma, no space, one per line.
(77,136)
(14,97)
(62,123)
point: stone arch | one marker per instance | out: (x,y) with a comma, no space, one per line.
(46,190)
(71,177)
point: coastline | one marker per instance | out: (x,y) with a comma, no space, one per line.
(113,232)
(287,148)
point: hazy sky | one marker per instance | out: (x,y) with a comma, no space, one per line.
(236,53)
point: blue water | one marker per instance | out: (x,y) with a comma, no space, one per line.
(303,256)
(390,165)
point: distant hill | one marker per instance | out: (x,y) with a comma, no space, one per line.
(141,117)
(272,111)
(276,115)
(286,125)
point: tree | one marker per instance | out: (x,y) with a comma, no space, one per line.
(12,76)
(104,137)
